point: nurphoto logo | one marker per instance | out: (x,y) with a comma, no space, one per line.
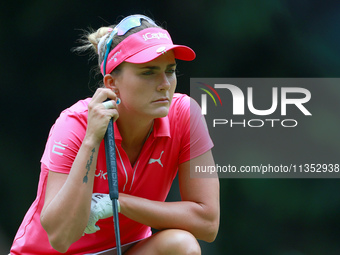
(268,127)
(244,100)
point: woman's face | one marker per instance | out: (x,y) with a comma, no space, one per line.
(146,90)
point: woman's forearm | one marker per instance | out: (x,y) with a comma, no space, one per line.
(68,197)
(65,214)
(193,217)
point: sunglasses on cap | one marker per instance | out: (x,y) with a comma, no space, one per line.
(124,26)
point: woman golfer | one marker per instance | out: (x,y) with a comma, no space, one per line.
(158,133)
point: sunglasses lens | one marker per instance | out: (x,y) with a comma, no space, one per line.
(129,24)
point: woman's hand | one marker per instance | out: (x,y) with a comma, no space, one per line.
(101,208)
(99,116)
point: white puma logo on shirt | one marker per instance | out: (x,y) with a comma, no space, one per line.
(156,160)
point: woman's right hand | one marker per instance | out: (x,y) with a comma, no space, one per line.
(98,116)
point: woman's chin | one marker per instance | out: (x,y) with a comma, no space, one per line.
(161,113)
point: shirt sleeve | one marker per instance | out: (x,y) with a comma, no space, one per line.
(64,141)
(196,139)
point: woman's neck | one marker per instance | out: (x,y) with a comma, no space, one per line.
(134,133)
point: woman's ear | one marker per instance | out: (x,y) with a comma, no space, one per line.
(109,82)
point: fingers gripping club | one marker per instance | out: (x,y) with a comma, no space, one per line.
(109,104)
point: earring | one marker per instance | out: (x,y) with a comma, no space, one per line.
(118,101)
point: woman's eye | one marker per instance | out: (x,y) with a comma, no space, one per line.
(151,72)
(171,71)
(148,73)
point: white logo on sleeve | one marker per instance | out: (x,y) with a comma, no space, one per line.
(60,146)
(157,160)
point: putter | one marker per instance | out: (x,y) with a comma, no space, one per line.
(125,25)
(111,164)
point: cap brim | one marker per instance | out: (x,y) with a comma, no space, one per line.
(181,52)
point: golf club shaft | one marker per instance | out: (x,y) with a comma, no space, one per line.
(116,226)
(111,165)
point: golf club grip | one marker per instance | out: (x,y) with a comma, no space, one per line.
(111,164)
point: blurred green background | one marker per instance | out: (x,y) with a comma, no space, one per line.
(40,77)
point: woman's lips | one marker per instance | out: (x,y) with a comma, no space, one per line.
(162,100)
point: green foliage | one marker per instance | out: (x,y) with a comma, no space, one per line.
(247,38)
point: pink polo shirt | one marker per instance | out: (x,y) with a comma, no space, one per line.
(151,177)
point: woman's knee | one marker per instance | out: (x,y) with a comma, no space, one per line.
(175,241)
(171,241)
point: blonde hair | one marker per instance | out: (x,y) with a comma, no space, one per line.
(90,40)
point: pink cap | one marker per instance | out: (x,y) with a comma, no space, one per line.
(145,46)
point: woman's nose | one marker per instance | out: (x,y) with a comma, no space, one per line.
(165,83)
